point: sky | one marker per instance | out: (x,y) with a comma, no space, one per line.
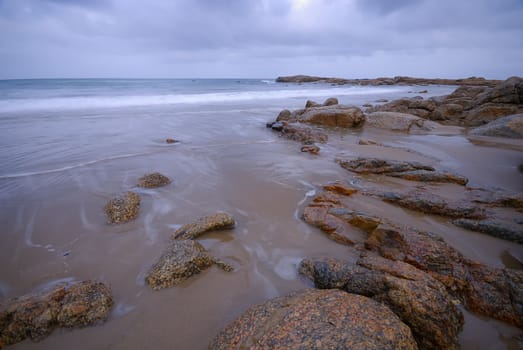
(260,38)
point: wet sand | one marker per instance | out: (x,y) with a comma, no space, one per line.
(54,227)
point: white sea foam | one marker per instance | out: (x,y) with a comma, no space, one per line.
(72,103)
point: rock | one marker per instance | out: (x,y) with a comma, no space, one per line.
(510,126)
(423,92)
(419,300)
(496,293)
(447,111)
(367,105)
(316,319)
(487,113)
(204,224)
(123,208)
(431,176)
(511,231)
(36,315)
(312,149)
(277,126)
(334,115)
(153,180)
(171,141)
(310,104)
(331,101)
(284,115)
(304,134)
(509,91)
(382,100)
(340,188)
(398,122)
(380,166)
(430,203)
(181,260)
(364,142)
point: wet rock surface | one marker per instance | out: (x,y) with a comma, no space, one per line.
(419,300)
(431,176)
(217,221)
(399,122)
(153,180)
(123,208)
(180,261)
(504,229)
(35,316)
(380,166)
(316,319)
(301,133)
(510,126)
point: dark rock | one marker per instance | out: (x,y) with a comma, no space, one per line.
(510,231)
(316,319)
(380,166)
(510,126)
(419,300)
(180,261)
(269,124)
(123,208)
(382,100)
(423,92)
(36,315)
(363,142)
(431,176)
(310,104)
(171,141)
(312,149)
(153,180)
(331,101)
(430,203)
(304,134)
(204,224)
(277,126)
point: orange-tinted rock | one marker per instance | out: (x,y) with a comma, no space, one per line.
(153,180)
(316,319)
(340,188)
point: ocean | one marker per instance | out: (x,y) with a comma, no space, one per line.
(69,145)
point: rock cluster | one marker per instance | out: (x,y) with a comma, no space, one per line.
(317,319)
(36,315)
(467,106)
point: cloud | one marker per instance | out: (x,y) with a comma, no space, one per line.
(262,37)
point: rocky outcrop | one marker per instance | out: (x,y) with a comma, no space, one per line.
(316,319)
(180,261)
(123,208)
(395,121)
(399,80)
(504,229)
(153,180)
(36,315)
(418,299)
(430,203)
(204,224)
(510,126)
(466,106)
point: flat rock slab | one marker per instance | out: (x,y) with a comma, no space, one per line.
(123,208)
(380,166)
(153,180)
(418,299)
(180,261)
(510,231)
(36,315)
(317,319)
(431,176)
(204,224)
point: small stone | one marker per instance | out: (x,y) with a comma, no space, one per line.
(153,180)
(171,141)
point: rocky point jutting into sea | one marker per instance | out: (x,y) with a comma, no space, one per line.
(376,214)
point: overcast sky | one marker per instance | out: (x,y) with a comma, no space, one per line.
(260,38)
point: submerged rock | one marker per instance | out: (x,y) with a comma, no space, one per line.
(123,208)
(36,315)
(153,180)
(510,126)
(431,176)
(204,224)
(181,260)
(419,300)
(430,203)
(380,166)
(511,231)
(312,149)
(316,319)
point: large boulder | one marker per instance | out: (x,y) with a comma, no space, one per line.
(217,221)
(180,261)
(510,126)
(398,122)
(334,115)
(316,319)
(418,299)
(123,208)
(36,315)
